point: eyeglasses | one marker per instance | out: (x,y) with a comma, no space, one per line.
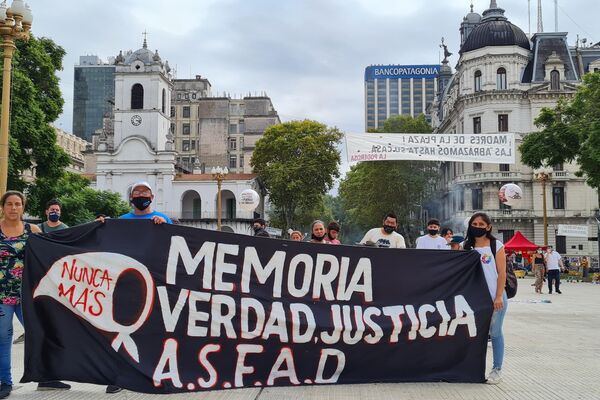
(140,192)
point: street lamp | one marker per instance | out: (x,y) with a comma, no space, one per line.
(15,24)
(543,175)
(218,174)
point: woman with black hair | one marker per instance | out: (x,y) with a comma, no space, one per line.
(480,238)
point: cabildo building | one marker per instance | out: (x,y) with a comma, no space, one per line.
(502,81)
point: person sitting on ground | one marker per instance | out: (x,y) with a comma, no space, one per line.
(432,240)
(333,230)
(385,236)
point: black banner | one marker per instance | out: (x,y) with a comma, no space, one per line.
(163,308)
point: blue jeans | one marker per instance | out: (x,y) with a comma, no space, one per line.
(6,337)
(497,335)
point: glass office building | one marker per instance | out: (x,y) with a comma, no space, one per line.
(93,95)
(398,90)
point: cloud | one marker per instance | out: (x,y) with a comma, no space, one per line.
(308,55)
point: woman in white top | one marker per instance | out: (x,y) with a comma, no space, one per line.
(479,237)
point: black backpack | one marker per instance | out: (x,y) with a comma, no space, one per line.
(511,278)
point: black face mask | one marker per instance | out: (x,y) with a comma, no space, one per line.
(476,232)
(141,203)
(317,238)
(432,232)
(388,229)
(257,229)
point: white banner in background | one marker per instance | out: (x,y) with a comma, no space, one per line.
(495,148)
(573,230)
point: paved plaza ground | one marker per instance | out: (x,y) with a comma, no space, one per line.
(552,353)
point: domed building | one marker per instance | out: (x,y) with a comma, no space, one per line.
(502,81)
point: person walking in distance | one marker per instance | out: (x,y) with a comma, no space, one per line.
(539,269)
(386,236)
(554,264)
(493,262)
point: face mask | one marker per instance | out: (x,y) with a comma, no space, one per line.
(476,232)
(539,251)
(432,232)
(54,216)
(141,203)
(317,238)
(256,229)
(388,229)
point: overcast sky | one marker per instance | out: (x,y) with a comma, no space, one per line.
(307,55)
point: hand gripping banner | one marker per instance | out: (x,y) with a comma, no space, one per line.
(165,309)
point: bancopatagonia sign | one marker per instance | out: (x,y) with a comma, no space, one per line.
(401,71)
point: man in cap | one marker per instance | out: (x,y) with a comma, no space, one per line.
(141,197)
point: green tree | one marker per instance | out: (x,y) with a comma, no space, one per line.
(570,133)
(36,102)
(81,203)
(372,189)
(298,162)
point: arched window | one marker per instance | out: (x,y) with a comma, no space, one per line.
(477,83)
(137,97)
(554,80)
(164,101)
(501,79)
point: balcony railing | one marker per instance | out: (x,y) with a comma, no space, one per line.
(497,214)
(560,176)
(212,215)
(500,176)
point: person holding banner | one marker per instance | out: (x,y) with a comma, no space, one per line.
(318,233)
(141,197)
(432,240)
(493,261)
(13,238)
(333,230)
(385,236)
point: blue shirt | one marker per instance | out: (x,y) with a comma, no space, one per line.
(131,215)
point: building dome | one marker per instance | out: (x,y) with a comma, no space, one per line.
(472,17)
(495,30)
(144,55)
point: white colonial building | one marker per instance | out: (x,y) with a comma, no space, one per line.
(502,81)
(136,144)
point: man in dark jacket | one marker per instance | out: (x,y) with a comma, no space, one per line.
(259,225)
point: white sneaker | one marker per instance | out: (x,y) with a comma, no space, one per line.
(494,377)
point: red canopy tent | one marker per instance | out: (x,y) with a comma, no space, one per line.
(520,243)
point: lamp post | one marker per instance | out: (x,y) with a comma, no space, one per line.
(218,174)
(15,24)
(543,175)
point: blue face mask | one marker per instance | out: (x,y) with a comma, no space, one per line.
(53,216)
